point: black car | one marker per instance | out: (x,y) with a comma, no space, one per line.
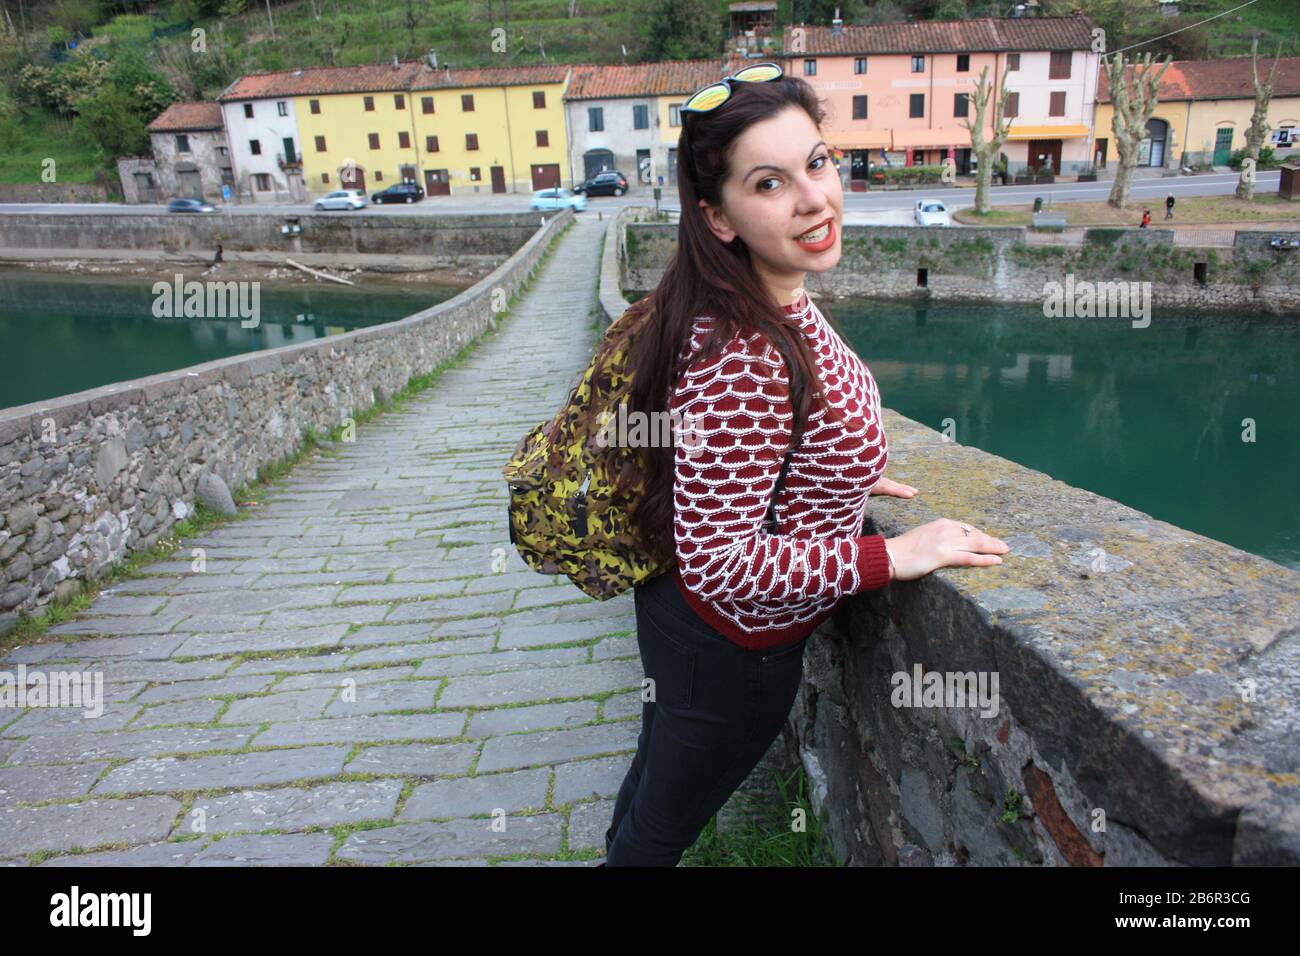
(399,192)
(607,182)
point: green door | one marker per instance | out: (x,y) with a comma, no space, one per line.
(1222,146)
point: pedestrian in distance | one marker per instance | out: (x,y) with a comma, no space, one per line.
(1146,219)
(1169,206)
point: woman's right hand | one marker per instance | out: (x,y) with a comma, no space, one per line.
(941,544)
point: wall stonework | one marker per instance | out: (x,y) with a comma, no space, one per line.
(446,237)
(90,478)
(997,265)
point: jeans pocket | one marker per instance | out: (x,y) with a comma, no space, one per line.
(668,660)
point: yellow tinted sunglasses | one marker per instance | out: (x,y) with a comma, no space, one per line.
(715,94)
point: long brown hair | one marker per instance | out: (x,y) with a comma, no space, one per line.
(704,277)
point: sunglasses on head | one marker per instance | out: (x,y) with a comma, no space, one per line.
(715,94)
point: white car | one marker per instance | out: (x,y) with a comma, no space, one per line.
(931,212)
(343,199)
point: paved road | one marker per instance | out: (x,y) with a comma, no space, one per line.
(1152,189)
(352,655)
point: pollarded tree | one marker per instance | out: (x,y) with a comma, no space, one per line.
(1133,100)
(1258,120)
(986,150)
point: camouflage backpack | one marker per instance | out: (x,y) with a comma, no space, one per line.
(564,517)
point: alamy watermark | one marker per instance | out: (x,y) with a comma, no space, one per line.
(208,300)
(44,688)
(946,689)
(1086,299)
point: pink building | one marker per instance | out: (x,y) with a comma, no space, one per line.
(897,93)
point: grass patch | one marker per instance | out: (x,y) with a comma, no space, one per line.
(1188,211)
(767,836)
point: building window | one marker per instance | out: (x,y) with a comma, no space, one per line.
(543,138)
(640,116)
(315,107)
(1013,105)
(426,104)
(407,173)
(467,102)
(918,157)
(595,119)
(675,115)
(255,147)
(282,107)
(1057,105)
(859,107)
(471,140)
(809,67)
(324,177)
(963,62)
(1060,66)
(430,144)
(403,140)
(399,101)
(248,111)
(374,140)
(379,175)
(262,181)
(474,174)
(961,104)
(539,99)
(370,103)
(918,64)
(860,64)
(1013,62)
(223,151)
(916,105)
(182,143)
(320,144)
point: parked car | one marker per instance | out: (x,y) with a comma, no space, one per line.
(399,192)
(558,198)
(931,212)
(190,205)
(607,182)
(342,199)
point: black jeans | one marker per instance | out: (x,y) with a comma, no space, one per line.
(717,708)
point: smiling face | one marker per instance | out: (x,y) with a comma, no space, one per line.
(782,196)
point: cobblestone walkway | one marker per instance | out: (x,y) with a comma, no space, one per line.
(366,672)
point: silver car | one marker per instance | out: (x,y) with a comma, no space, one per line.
(343,199)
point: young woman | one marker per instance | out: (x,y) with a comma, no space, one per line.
(722,634)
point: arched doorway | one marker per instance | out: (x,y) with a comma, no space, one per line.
(1151,152)
(352,176)
(594,160)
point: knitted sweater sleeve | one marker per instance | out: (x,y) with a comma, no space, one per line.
(734,430)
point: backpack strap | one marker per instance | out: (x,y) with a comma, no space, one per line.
(795,438)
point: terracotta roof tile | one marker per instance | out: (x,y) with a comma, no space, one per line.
(989,34)
(376,78)
(1217,79)
(188,116)
(428,78)
(669,78)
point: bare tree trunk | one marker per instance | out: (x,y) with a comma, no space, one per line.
(1131,107)
(270,18)
(986,150)
(1258,129)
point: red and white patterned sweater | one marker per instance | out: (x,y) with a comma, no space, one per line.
(759,589)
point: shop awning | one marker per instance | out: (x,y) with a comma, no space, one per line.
(1047,132)
(860,139)
(931,138)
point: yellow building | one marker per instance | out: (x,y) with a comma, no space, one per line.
(490,130)
(360,133)
(1202,114)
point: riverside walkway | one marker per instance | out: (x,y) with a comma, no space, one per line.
(365,672)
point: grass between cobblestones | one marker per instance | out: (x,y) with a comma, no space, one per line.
(201,519)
